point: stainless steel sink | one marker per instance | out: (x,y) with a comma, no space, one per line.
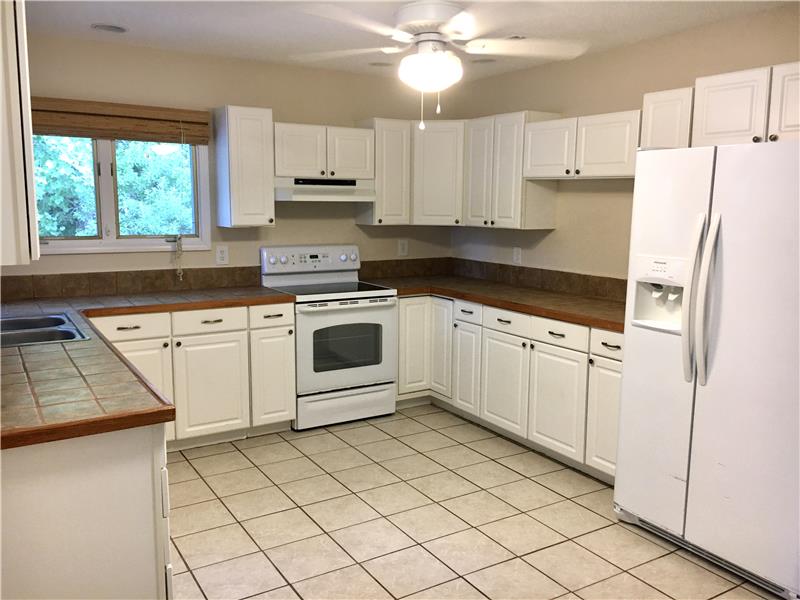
(17,323)
(45,329)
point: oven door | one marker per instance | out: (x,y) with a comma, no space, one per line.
(345,344)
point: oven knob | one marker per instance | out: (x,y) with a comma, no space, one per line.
(284,260)
(272,260)
(354,257)
(343,257)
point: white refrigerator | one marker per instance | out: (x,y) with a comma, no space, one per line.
(709,446)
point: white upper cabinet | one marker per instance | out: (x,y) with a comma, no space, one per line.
(441,345)
(504,380)
(731,108)
(667,118)
(351,153)
(784,104)
(392,204)
(606,144)
(479,140)
(550,149)
(243,140)
(507,182)
(602,413)
(300,150)
(438,173)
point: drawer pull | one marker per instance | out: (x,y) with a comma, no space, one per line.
(129,327)
(503,321)
(275,316)
(211,321)
(611,346)
(467,312)
(557,335)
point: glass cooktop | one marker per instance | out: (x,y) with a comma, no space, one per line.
(342,288)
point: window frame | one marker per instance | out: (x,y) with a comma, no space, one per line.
(106,194)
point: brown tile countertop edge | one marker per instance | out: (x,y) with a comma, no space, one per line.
(108,311)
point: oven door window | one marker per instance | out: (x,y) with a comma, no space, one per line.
(347,346)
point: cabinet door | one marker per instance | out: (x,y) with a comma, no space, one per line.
(731,108)
(478,140)
(467,367)
(351,153)
(153,358)
(667,118)
(784,103)
(272,360)
(509,137)
(441,345)
(505,363)
(212,383)
(392,172)
(438,173)
(245,166)
(606,144)
(415,344)
(602,414)
(550,149)
(300,150)
(557,417)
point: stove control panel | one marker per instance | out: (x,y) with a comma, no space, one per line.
(307,259)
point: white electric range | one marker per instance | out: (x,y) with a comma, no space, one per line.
(346,342)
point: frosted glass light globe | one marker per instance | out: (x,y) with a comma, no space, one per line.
(430,71)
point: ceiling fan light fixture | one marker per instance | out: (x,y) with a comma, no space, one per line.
(431,69)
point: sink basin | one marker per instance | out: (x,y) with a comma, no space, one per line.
(17,323)
(45,329)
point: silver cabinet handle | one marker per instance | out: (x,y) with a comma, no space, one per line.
(211,321)
(467,312)
(611,346)
(129,327)
(557,335)
(275,316)
(503,321)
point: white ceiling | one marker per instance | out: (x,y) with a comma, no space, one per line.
(279,31)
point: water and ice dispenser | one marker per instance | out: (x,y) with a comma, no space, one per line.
(658,301)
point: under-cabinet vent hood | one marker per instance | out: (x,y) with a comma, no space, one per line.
(301,189)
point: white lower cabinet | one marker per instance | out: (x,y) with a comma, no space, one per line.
(505,363)
(467,367)
(602,413)
(272,375)
(414,319)
(557,413)
(211,377)
(441,345)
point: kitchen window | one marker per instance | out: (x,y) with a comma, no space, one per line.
(97,195)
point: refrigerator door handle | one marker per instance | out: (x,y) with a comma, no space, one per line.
(686,319)
(701,343)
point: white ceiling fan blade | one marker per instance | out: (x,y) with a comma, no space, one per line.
(334,54)
(461,27)
(478,19)
(557,49)
(348,17)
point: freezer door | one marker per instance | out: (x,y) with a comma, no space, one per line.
(671,197)
(743,501)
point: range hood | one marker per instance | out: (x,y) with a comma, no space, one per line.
(301,189)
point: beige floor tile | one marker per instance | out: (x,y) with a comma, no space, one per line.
(202,451)
(569,483)
(401,427)
(386,418)
(238,577)
(260,440)
(530,464)
(362,435)
(428,522)
(308,558)
(256,503)
(427,440)
(440,420)
(709,566)
(738,593)
(371,539)
(346,425)
(681,579)
(178,566)
(411,467)
(526,494)
(620,546)
(569,518)
(271,453)
(515,580)
(365,478)
(281,528)
(175,457)
(620,587)
(457,589)
(282,593)
(488,474)
(759,591)
(408,571)
(291,470)
(422,409)
(386,450)
(479,508)
(467,551)
(393,498)
(649,535)
(443,486)
(341,512)
(198,517)
(467,433)
(571,565)
(497,447)
(339,460)
(189,492)
(291,434)
(521,534)
(220,463)
(316,444)
(181,471)
(184,587)
(601,502)
(215,545)
(237,482)
(350,583)
(457,456)
(314,489)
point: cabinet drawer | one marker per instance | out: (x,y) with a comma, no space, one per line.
(607,343)
(505,320)
(133,327)
(559,333)
(209,321)
(271,315)
(468,311)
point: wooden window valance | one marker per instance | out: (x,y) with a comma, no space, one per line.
(106,120)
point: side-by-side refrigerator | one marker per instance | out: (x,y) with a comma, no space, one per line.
(709,446)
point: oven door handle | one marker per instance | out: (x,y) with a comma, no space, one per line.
(315,307)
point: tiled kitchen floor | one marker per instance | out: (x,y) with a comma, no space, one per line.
(419,504)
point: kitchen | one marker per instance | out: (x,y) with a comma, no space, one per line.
(475,481)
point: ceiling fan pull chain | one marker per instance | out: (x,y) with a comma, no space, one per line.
(438,103)
(422,111)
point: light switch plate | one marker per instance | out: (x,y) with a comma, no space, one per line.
(402,247)
(221,254)
(516,255)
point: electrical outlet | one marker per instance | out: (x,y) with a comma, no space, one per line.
(516,255)
(402,247)
(221,255)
